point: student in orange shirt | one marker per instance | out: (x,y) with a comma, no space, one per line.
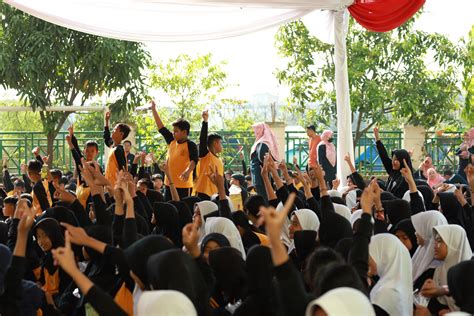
(209,161)
(314,140)
(182,155)
(117,160)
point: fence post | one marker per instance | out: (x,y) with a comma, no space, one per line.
(414,138)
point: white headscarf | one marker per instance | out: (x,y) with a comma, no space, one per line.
(285,231)
(407,196)
(334,193)
(355,216)
(423,258)
(205,208)
(165,303)
(308,221)
(343,210)
(351,199)
(342,301)
(227,228)
(393,291)
(454,236)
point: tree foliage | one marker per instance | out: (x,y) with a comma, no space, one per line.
(405,75)
(18,121)
(190,83)
(49,65)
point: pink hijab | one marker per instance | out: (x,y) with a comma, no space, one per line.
(263,134)
(330,148)
(425,167)
(435,179)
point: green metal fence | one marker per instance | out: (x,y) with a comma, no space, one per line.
(17,147)
(442,149)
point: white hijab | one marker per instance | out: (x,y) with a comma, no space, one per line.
(423,258)
(351,199)
(342,301)
(205,208)
(285,232)
(355,216)
(343,210)
(227,228)
(393,291)
(459,250)
(407,196)
(308,221)
(165,303)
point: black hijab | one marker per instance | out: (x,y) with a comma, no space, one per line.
(451,208)
(249,238)
(338,200)
(461,285)
(428,195)
(175,270)
(334,227)
(396,183)
(262,297)
(185,214)
(137,254)
(305,243)
(407,227)
(53,230)
(218,238)
(190,201)
(167,222)
(3,233)
(229,270)
(396,210)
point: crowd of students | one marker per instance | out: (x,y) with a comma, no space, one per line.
(140,238)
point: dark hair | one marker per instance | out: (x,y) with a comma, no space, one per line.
(248,178)
(127,141)
(27,196)
(321,257)
(56,173)
(34,166)
(253,203)
(19,183)
(447,172)
(211,138)
(10,200)
(64,180)
(157,176)
(124,128)
(334,275)
(92,143)
(311,127)
(182,124)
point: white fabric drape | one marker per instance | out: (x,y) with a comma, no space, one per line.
(344,120)
(171,21)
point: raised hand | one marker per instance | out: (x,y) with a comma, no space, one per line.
(274,220)
(64,256)
(107,116)
(190,235)
(376,133)
(36,151)
(153,105)
(63,195)
(27,216)
(77,235)
(460,197)
(335,183)
(205,115)
(70,129)
(368,197)
(406,172)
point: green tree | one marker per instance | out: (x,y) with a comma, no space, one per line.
(390,78)
(49,65)
(190,83)
(19,121)
(468,80)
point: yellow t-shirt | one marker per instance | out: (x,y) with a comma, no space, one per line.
(178,159)
(205,165)
(112,167)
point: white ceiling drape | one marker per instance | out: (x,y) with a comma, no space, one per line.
(171,21)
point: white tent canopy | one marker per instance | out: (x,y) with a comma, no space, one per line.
(197,20)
